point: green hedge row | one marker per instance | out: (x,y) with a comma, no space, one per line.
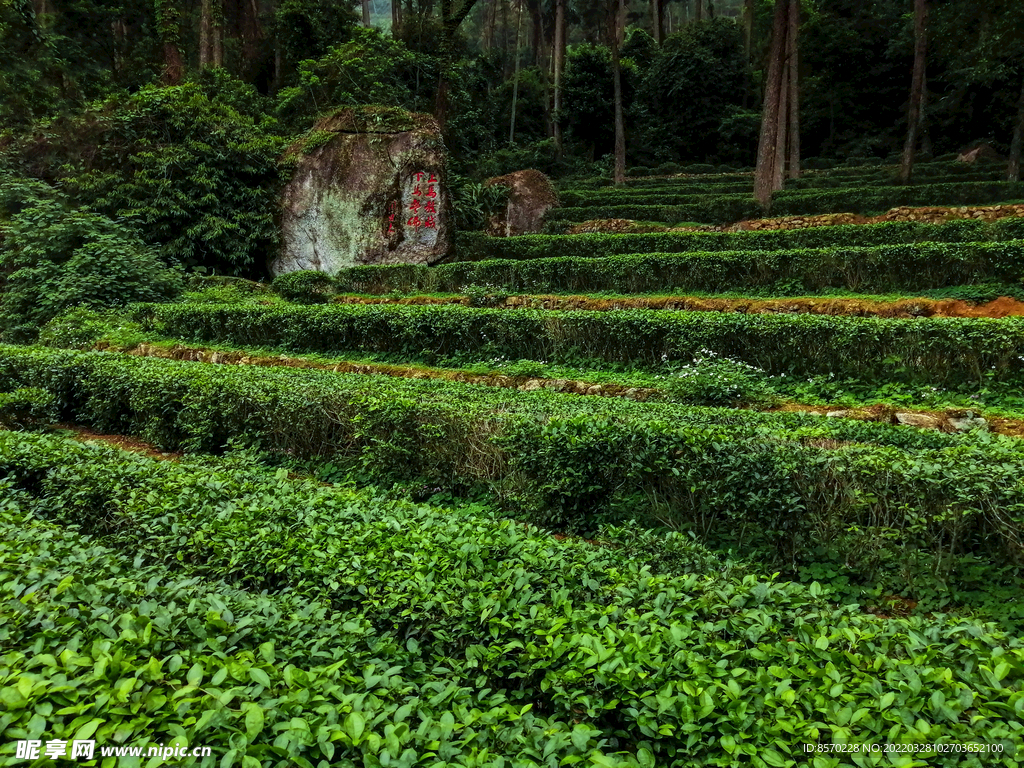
(827,181)
(475,246)
(757,482)
(882,269)
(926,350)
(868,172)
(477,640)
(724,209)
(685,190)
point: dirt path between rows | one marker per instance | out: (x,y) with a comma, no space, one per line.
(1004,306)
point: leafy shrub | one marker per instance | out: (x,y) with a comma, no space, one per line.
(305,286)
(996,268)
(27,408)
(924,350)
(710,379)
(369,68)
(698,168)
(667,168)
(387,629)
(474,203)
(758,483)
(76,328)
(57,258)
(198,177)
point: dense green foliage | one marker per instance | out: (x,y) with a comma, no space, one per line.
(56,257)
(452,632)
(476,246)
(196,175)
(910,267)
(728,208)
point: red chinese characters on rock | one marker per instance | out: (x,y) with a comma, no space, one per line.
(424,196)
(390,220)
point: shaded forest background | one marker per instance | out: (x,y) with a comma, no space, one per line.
(170,116)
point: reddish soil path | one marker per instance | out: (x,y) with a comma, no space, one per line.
(1004,306)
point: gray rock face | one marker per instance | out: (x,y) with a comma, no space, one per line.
(530,197)
(967,422)
(918,420)
(369,187)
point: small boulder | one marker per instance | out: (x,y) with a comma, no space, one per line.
(532,385)
(530,197)
(968,422)
(837,414)
(979,152)
(922,420)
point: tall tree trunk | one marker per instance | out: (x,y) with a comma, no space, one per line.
(168,19)
(559,56)
(658,20)
(1013,169)
(620,122)
(915,109)
(782,130)
(366,13)
(396,16)
(211,34)
(488,30)
(515,82)
(748,27)
(793,63)
(698,10)
(536,31)
(767,179)
(451,18)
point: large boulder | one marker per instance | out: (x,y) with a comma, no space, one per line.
(530,196)
(368,187)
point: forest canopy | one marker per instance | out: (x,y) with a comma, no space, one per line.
(170,115)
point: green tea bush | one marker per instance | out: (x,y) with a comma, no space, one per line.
(912,267)
(939,351)
(57,258)
(26,408)
(785,487)
(305,286)
(476,246)
(354,629)
(725,208)
(710,379)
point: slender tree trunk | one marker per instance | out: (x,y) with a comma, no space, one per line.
(767,179)
(658,20)
(168,29)
(206,34)
(793,63)
(782,131)
(536,31)
(559,56)
(620,122)
(1013,169)
(915,110)
(396,16)
(515,82)
(748,27)
(366,13)
(698,10)
(451,18)
(488,32)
